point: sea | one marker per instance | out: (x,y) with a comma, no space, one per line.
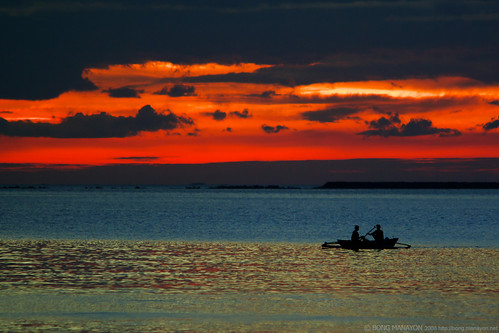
(199,259)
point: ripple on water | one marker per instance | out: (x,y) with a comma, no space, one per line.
(241,282)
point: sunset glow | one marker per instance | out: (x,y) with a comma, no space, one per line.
(237,121)
(173,83)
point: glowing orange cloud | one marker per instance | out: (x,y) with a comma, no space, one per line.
(413,88)
(137,74)
(318,121)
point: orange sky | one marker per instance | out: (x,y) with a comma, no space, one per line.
(309,122)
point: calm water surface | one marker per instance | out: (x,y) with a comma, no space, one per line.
(420,217)
(157,259)
(209,286)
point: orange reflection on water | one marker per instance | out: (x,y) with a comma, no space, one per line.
(206,286)
(171,267)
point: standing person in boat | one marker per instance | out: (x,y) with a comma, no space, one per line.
(377,234)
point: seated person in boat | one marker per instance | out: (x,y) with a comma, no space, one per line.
(377,234)
(355,235)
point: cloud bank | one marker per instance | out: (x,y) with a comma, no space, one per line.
(329,115)
(101,125)
(178,90)
(124,92)
(46,45)
(221,115)
(392,126)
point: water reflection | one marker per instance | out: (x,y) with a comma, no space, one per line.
(247,280)
(168,267)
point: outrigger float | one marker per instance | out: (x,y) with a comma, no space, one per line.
(388,243)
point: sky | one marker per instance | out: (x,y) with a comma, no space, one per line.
(88,84)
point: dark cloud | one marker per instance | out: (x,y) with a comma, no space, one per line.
(392,126)
(265,94)
(138,158)
(492,124)
(241,114)
(124,92)
(228,129)
(6,112)
(388,125)
(220,115)
(217,115)
(46,45)
(163,91)
(417,127)
(494,102)
(178,90)
(329,115)
(101,125)
(271,129)
(374,64)
(415,105)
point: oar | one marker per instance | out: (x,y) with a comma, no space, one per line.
(369,231)
(330,245)
(408,246)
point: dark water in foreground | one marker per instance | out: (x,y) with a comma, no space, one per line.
(163,260)
(207,286)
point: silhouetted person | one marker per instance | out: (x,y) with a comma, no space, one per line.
(355,235)
(378,234)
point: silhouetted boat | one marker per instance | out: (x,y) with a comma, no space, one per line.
(388,243)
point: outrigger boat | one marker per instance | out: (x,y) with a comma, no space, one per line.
(388,243)
(363,243)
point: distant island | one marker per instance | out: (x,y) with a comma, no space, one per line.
(409,185)
(254,187)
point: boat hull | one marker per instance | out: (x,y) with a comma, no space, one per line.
(388,243)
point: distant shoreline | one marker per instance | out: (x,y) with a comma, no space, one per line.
(410,185)
(251,173)
(326,186)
